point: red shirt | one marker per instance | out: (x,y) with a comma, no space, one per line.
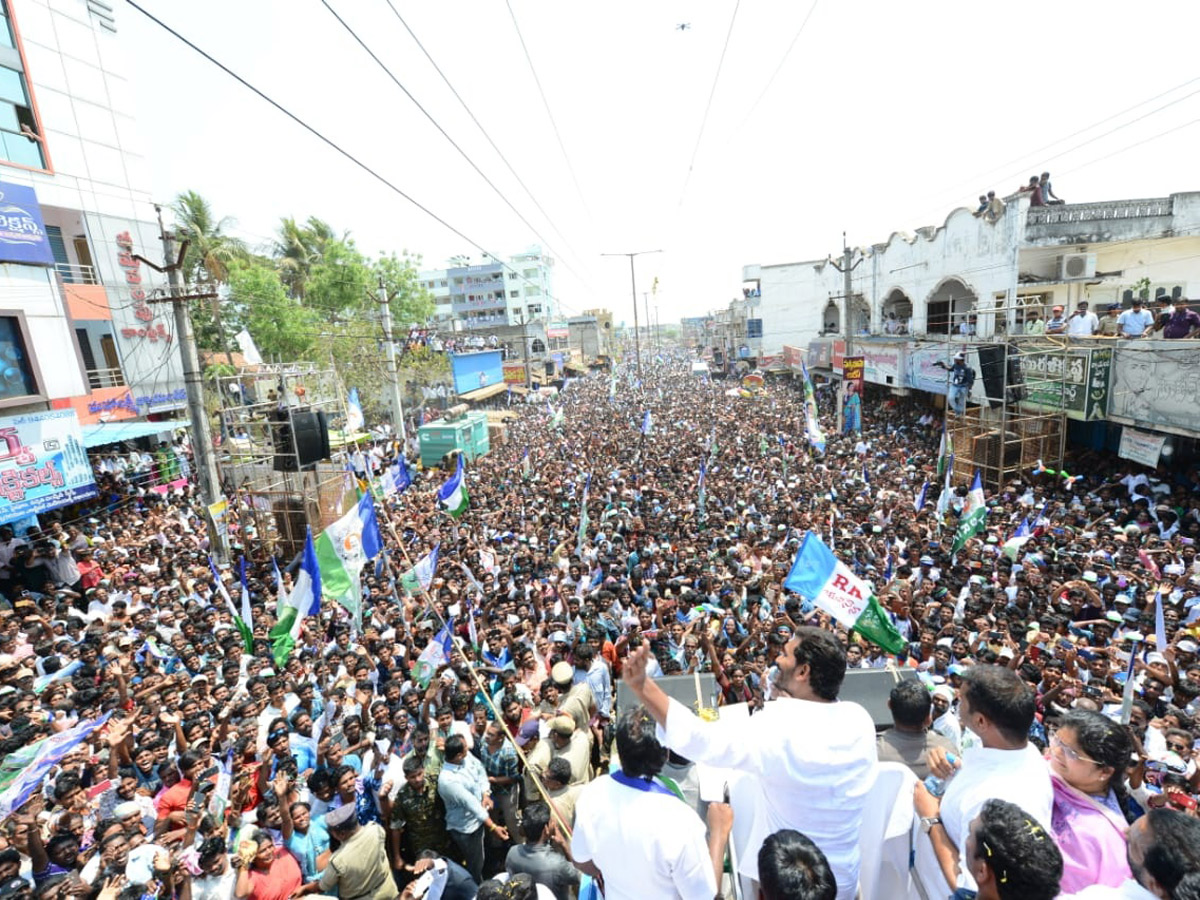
(279,881)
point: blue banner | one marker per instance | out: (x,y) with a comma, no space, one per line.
(23,237)
(43,463)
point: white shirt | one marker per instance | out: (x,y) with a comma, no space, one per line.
(812,765)
(1087,323)
(1127,890)
(1018,776)
(644,843)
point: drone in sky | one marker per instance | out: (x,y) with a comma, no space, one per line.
(683,26)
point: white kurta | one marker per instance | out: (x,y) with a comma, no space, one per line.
(811,764)
(644,844)
(1127,890)
(1018,776)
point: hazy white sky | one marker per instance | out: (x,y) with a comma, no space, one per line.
(884,117)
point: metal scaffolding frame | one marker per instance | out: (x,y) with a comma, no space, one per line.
(1004,437)
(272,498)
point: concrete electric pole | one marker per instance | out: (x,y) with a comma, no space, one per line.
(847,266)
(637,340)
(202,449)
(389,349)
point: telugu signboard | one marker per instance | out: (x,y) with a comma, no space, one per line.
(43,464)
(883,363)
(1077,382)
(1156,383)
(23,237)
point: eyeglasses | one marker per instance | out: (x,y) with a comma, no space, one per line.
(1070,752)
(1178,748)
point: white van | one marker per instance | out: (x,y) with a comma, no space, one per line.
(700,369)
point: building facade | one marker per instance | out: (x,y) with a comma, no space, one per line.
(80,318)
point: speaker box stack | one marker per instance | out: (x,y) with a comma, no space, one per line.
(301,439)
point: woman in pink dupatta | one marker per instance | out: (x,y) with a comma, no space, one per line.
(1089,754)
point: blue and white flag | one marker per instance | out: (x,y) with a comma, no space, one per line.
(435,655)
(47,755)
(919,503)
(354,413)
(819,576)
(647,423)
(1160,625)
(396,479)
(452,496)
(581,535)
(304,600)
(1020,537)
(44,681)
(420,577)
(701,500)
(1127,694)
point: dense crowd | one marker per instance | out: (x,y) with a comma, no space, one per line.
(593,550)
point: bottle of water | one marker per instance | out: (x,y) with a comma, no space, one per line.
(935,785)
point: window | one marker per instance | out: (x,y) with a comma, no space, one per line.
(514,293)
(18,372)
(532,290)
(536,346)
(20,132)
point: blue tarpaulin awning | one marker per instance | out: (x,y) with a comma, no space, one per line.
(114,432)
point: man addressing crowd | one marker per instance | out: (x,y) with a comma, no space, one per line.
(810,757)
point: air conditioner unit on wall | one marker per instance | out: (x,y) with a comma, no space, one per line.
(1074,266)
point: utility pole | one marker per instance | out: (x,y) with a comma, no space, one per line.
(847,266)
(206,463)
(649,321)
(525,351)
(657,328)
(389,349)
(637,340)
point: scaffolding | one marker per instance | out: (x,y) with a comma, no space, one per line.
(1029,383)
(266,413)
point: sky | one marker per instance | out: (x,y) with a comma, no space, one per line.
(861,117)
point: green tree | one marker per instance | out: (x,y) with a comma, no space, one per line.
(297,248)
(211,248)
(410,301)
(340,283)
(279,325)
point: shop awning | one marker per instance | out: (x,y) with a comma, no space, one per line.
(114,432)
(484,393)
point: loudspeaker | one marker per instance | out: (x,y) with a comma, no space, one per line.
(992,359)
(871,688)
(301,439)
(678,687)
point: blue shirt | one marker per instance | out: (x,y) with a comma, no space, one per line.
(307,847)
(462,787)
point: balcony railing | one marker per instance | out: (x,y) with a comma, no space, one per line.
(105,378)
(1096,212)
(71,274)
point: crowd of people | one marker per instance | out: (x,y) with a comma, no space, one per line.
(1047,717)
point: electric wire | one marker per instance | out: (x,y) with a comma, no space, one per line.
(549,114)
(779,68)
(499,193)
(335,146)
(484,132)
(708,106)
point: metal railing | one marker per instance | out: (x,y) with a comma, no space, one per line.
(105,378)
(76,274)
(1094,212)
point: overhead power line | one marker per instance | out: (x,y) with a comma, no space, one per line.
(779,68)
(336,147)
(708,106)
(549,114)
(463,153)
(484,131)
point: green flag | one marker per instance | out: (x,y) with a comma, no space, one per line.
(974,515)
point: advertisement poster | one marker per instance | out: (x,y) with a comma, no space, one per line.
(852,386)
(472,371)
(43,464)
(1076,382)
(23,237)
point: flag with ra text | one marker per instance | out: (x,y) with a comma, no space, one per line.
(304,600)
(420,576)
(820,577)
(973,517)
(452,496)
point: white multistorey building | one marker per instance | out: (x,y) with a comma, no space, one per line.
(490,294)
(77,328)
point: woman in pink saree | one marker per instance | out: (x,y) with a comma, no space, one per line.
(1089,754)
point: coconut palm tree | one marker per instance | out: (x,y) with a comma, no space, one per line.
(210,247)
(298,248)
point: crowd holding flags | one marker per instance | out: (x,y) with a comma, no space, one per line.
(241,618)
(303,600)
(396,478)
(344,548)
(420,576)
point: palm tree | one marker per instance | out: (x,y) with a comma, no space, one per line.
(298,248)
(210,248)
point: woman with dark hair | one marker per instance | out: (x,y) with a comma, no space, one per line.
(1089,754)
